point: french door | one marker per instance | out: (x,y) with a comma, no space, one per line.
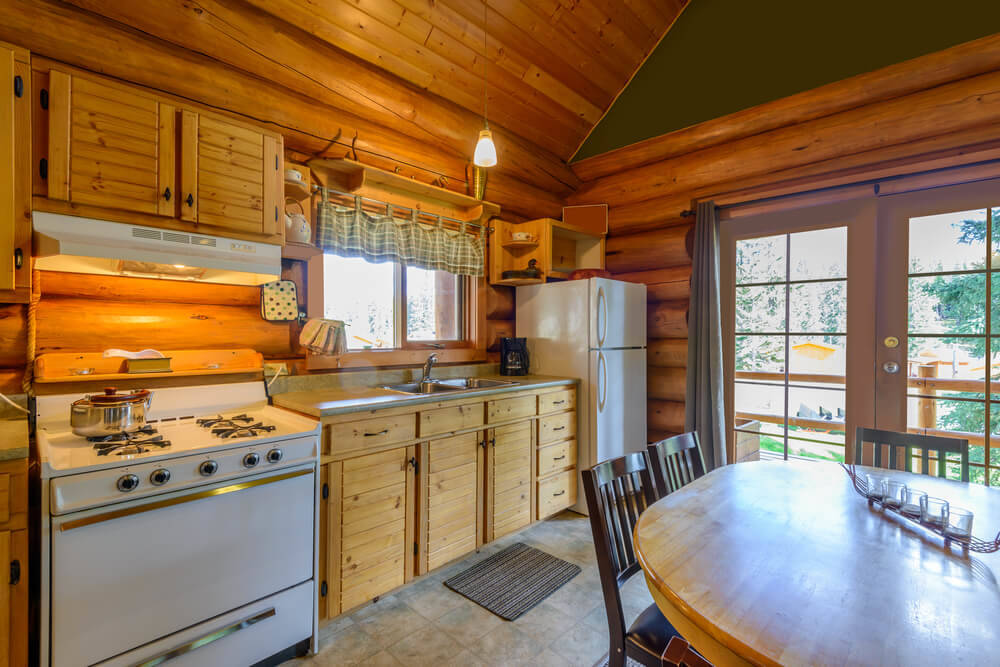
(797,304)
(938,322)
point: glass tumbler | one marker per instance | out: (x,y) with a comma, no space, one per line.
(959,523)
(893,493)
(875,483)
(934,511)
(912,500)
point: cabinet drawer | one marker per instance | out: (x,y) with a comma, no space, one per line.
(510,408)
(556,493)
(374,432)
(446,420)
(556,457)
(557,401)
(556,427)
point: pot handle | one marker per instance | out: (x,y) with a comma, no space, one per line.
(149,400)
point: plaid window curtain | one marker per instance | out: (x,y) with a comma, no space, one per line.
(351,232)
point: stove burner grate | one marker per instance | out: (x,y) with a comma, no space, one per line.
(227,422)
(127,444)
(242,431)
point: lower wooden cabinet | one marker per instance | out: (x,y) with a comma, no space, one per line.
(370,526)
(14,562)
(451,499)
(508,488)
(443,480)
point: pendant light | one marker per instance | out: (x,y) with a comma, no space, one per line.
(486,152)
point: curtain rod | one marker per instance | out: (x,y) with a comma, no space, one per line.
(317,188)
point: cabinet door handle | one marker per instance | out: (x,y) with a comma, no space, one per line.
(559,458)
(15,572)
(559,402)
(18,258)
(18,86)
(558,428)
(166,194)
(413,462)
(382,432)
(190,199)
(559,494)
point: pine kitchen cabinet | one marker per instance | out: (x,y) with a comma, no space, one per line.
(124,153)
(14,542)
(15,169)
(413,484)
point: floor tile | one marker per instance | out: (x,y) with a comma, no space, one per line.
(507,645)
(582,645)
(550,659)
(346,647)
(383,659)
(430,598)
(394,621)
(468,622)
(575,600)
(545,622)
(431,647)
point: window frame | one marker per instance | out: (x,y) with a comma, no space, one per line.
(470,348)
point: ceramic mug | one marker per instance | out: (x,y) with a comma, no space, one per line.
(293,175)
(521,236)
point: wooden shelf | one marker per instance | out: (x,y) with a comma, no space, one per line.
(519,244)
(301,251)
(354,177)
(516,282)
(297,191)
(559,275)
(55,366)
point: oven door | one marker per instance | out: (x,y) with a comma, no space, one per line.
(128,575)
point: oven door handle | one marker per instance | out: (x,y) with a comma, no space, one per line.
(179,500)
(205,640)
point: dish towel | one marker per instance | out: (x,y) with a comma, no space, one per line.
(324,337)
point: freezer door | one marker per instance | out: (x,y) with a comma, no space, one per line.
(617,402)
(618,314)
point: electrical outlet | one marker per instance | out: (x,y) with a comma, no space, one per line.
(274,370)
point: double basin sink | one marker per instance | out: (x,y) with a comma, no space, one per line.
(445,386)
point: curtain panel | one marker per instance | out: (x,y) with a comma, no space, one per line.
(352,232)
(704,407)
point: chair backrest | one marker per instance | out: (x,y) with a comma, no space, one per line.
(675,462)
(617,492)
(903,444)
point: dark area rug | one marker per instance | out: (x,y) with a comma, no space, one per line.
(514,580)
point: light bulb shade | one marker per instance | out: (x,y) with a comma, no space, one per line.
(486,152)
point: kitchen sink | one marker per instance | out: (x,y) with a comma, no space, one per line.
(430,387)
(444,386)
(476,383)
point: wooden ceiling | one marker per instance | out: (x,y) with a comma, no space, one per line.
(554,66)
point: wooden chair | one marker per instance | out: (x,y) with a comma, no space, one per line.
(680,654)
(676,462)
(905,443)
(617,492)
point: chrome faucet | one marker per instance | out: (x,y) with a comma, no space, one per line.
(428,365)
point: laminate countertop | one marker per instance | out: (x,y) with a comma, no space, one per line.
(13,438)
(329,402)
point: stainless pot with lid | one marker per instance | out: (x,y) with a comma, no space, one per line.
(110,413)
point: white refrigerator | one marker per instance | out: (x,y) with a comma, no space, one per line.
(594,330)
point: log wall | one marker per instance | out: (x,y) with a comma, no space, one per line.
(931,113)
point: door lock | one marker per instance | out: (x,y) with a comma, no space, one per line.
(890,367)
(891,342)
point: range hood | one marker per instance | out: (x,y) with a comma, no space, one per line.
(86,245)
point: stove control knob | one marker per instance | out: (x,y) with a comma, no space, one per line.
(275,455)
(251,459)
(159,477)
(127,483)
(208,468)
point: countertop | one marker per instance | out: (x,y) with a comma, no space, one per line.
(329,402)
(13,438)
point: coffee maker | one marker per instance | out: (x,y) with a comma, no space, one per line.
(513,356)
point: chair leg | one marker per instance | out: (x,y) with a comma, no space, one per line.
(616,655)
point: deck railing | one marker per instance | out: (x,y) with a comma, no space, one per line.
(926,385)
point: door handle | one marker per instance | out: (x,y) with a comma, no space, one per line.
(208,639)
(602,329)
(382,432)
(602,389)
(190,199)
(890,367)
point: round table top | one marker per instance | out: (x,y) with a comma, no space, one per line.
(783,562)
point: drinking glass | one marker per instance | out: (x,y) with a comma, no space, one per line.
(934,511)
(959,522)
(893,493)
(912,500)
(874,483)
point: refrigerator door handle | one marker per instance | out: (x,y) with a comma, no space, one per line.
(602,388)
(602,330)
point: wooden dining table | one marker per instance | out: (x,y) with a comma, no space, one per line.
(783,562)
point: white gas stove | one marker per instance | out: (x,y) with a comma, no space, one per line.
(192,539)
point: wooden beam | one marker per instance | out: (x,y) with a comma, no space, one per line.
(657,249)
(667,352)
(962,105)
(970,59)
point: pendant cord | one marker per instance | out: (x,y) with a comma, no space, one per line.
(485,64)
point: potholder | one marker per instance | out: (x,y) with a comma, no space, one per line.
(279,301)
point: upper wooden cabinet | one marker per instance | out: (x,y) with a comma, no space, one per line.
(230,175)
(557,247)
(15,181)
(143,158)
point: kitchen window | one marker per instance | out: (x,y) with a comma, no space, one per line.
(388,306)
